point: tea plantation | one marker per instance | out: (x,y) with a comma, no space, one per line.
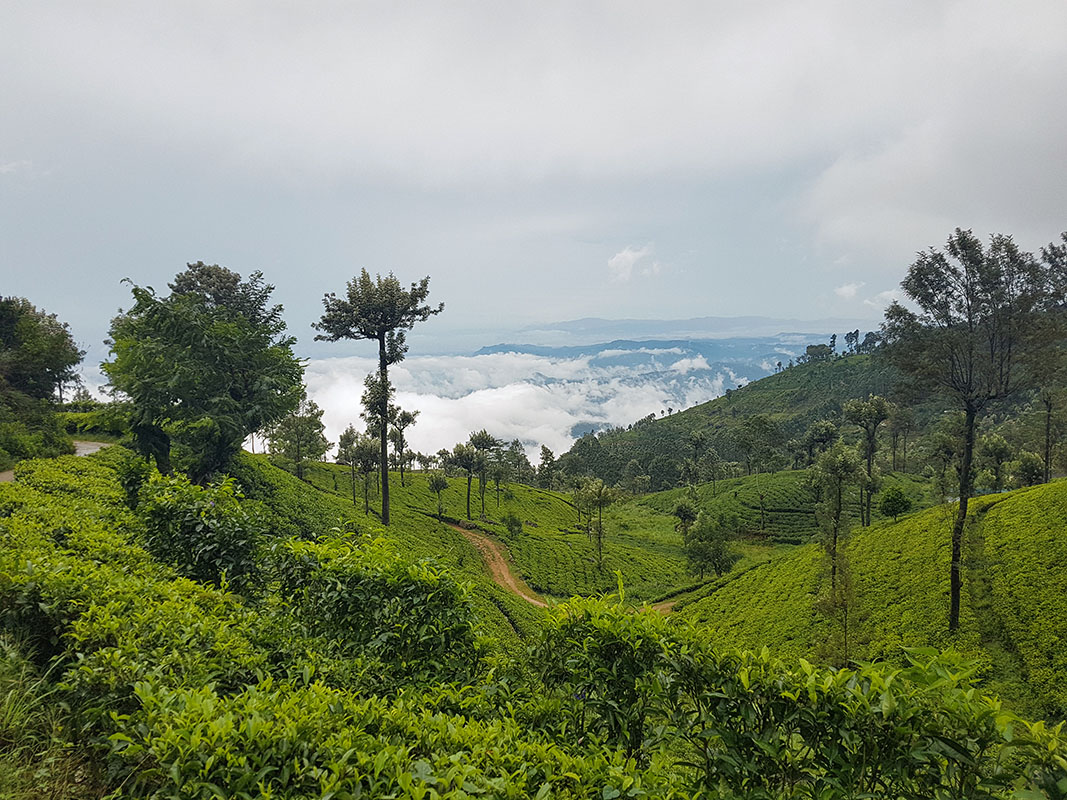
(337,665)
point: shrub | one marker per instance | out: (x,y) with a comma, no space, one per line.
(894,502)
(207,534)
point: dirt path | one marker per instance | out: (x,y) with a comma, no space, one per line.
(80,449)
(495,558)
(666,607)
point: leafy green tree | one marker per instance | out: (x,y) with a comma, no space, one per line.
(687,515)
(466,458)
(835,471)
(1030,469)
(203,367)
(299,439)
(382,310)
(901,423)
(547,469)
(707,546)
(37,351)
(976,333)
(519,466)
(819,436)
(995,451)
(499,472)
(868,414)
(346,453)
(438,483)
(486,445)
(401,421)
(894,503)
(596,496)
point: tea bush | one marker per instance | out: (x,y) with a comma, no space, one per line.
(206,533)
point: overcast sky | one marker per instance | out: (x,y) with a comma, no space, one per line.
(539,160)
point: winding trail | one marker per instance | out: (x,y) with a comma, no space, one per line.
(80,449)
(495,557)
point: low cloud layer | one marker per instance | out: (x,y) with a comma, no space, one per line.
(536,399)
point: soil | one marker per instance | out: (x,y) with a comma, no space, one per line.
(495,557)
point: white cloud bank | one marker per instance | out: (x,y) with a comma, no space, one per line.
(535,399)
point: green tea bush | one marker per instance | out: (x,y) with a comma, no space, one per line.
(359,595)
(206,533)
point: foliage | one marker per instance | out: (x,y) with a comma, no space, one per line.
(982,321)
(707,545)
(894,503)
(207,533)
(204,366)
(382,310)
(299,438)
(37,352)
(361,597)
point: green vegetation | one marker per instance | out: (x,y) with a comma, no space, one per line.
(1012,620)
(37,358)
(354,672)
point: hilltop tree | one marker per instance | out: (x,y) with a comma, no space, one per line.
(972,340)
(299,438)
(438,483)
(596,496)
(519,466)
(203,367)
(382,310)
(547,469)
(868,414)
(819,437)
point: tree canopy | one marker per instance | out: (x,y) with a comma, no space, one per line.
(203,367)
(379,309)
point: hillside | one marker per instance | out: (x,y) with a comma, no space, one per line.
(347,670)
(1015,603)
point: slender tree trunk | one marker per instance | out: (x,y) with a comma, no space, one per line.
(833,540)
(1047,399)
(893,445)
(904,453)
(470,480)
(352,467)
(955,576)
(366,494)
(383,411)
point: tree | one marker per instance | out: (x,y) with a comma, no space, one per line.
(346,453)
(382,310)
(974,336)
(468,459)
(299,439)
(596,497)
(486,445)
(995,451)
(438,483)
(868,414)
(203,367)
(834,472)
(401,421)
(894,503)
(37,352)
(687,515)
(707,545)
(901,423)
(1030,469)
(819,436)
(519,466)
(546,469)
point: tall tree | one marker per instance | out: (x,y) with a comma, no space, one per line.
(868,414)
(346,453)
(382,310)
(597,496)
(975,334)
(438,483)
(37,352)
(465,457)
(487,445)
(204,367)
(299,438)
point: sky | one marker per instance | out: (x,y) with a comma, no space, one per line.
(540,161)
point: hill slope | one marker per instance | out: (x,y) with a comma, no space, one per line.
(1015,605)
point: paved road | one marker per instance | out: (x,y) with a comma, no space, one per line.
(80,449)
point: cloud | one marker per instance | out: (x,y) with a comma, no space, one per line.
(11,167)
(848,290)
(883,299)
(535,399)
(623,263)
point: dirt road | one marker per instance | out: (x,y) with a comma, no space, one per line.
(495,558)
